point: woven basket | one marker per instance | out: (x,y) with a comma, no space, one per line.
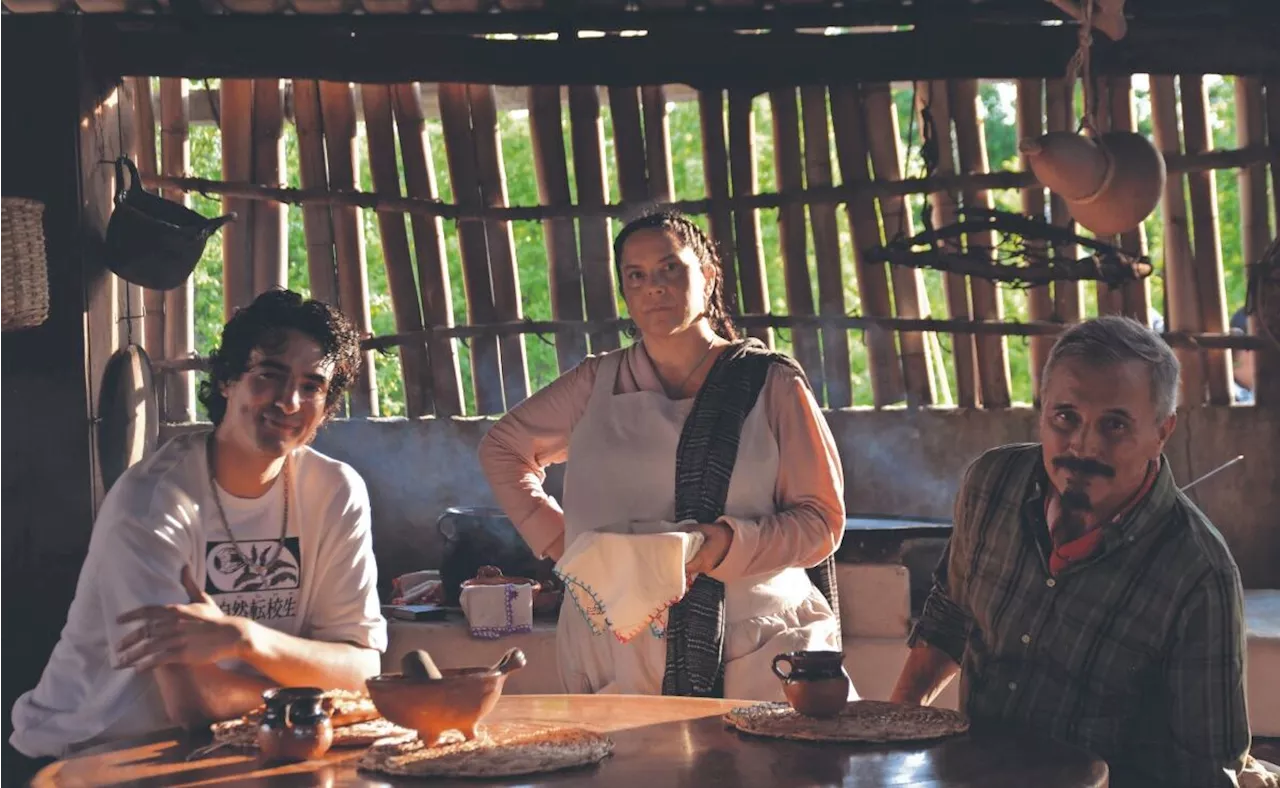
(24,273)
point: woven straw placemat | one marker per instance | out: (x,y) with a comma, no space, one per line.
(503,749)
(861,721)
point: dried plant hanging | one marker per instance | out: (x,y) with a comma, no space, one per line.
(1020,259)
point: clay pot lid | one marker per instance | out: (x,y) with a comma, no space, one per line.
(492,576)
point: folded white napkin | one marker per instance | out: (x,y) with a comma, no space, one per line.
(624,583)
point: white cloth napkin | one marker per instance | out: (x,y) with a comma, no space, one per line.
(624,583)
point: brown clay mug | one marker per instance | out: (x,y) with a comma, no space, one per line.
(296,724)
(815,683)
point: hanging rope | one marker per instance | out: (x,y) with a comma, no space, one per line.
(1079,65)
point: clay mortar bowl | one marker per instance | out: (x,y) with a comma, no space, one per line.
(459,700)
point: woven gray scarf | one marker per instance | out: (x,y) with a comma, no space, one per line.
(705,458)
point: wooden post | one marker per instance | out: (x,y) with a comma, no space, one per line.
(338,110)
(876,122)
(552,170)
(428,246)
(657,143)
(742,168)
(1039,298)
(826,247)
(1207,262)
(152,300)
(1183,312)
(236,114)
(1272,86)
(1108,300)
(380,136)
(179,317)
(270,219)
(459,145)
(873,285)
(628,144)
(317,221)
(502,246)
(1251,130)
(791,232)
(933,96)
(586,131)
(1135,296)
(971,145)
(715,174)
(1059,117)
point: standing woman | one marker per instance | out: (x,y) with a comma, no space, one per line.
(689,423)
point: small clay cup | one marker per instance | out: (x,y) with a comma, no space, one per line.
(815,683)
(296,724)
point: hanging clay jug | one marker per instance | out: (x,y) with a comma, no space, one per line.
(1111,182)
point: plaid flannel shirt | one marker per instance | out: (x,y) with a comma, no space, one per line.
(1135,654)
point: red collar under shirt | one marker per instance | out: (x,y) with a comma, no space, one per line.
(1087,544)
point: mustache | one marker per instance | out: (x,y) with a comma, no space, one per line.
(1085,466)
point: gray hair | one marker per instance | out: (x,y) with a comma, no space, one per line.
(1114,340)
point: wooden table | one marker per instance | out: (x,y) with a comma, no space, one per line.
(660,742)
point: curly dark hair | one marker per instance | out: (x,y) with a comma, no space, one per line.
(719,303)
(260,323)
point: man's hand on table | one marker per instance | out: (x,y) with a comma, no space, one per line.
(197,633)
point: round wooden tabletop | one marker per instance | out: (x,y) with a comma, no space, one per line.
(659,741)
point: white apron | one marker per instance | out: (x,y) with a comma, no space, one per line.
(621,477)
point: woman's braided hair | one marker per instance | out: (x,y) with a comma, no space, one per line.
(719,303)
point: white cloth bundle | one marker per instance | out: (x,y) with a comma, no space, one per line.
(624,583)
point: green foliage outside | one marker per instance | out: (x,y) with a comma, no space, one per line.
(1001,137)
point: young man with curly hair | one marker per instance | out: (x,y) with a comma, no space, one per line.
(227,562)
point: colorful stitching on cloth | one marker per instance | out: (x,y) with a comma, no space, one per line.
(510,628)
(597,608)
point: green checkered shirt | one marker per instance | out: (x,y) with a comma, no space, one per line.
(1135,654)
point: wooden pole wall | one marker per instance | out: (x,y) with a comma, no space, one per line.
(148,164)
(1252,128)
(338,111)
(657,143)
(552,170)
(971,147)
(923,382)
(1207,259)
(459,144)
(1059,116)
(826,247)
(429,249)
(1135,297)
(628,144)
(715,173)
(313,173)
(380,136)
(791,233)
(590,174)
(1030,106)
(746,224)
(873,285)
(1108,300)
(933,97)
(236,110)
(270,219)
(1182,312)
(502,246)
(179,303)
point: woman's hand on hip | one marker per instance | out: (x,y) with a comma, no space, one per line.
(715,546)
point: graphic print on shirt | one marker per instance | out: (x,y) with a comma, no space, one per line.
(257,582)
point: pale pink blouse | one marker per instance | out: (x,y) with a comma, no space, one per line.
(809,492)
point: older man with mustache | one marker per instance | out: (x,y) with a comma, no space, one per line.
(1082,596)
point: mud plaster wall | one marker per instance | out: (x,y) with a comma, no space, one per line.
(894,462)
